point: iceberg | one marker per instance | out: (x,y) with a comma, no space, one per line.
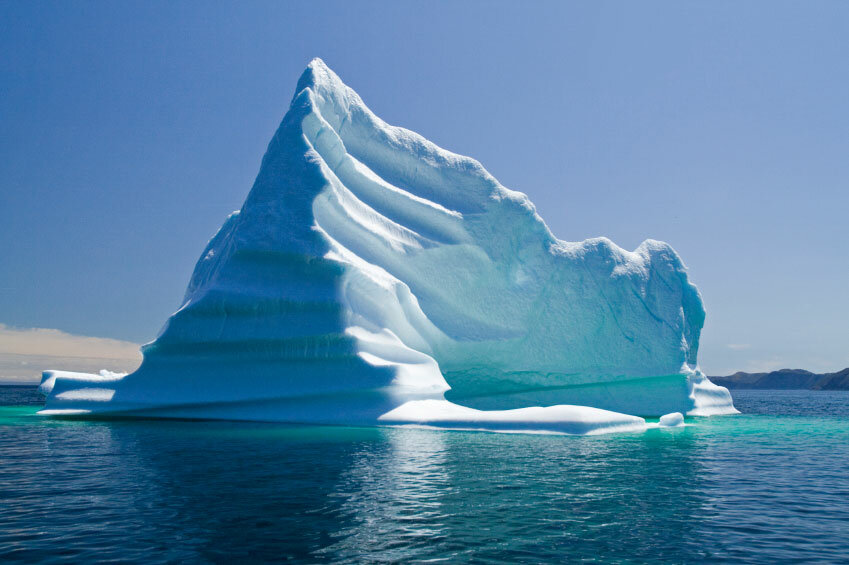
(372,277)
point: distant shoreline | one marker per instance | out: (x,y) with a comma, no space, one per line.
(785,379)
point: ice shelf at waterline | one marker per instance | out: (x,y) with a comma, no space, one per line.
(371,276)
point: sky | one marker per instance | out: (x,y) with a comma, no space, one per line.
(128,132)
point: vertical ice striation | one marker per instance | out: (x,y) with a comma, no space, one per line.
(371,274)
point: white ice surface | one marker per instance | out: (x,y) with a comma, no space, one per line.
(48,378)
(578,420)
(370,270)
(672,420)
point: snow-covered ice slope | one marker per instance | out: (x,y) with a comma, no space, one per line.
(370,269)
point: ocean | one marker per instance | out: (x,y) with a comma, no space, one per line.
(768,485)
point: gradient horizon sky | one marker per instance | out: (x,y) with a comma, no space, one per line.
(130,131)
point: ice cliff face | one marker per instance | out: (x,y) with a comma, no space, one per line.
(371,276)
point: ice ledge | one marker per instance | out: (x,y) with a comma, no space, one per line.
(573,420)
(708,398)
(48,379)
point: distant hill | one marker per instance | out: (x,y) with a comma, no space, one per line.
(786,379)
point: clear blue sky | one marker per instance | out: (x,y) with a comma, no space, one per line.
(129,131)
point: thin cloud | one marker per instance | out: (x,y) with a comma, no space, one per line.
(739,346)
(26,352)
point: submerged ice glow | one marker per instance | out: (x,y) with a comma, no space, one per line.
(373,277)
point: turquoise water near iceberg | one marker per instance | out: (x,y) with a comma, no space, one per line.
(771,484)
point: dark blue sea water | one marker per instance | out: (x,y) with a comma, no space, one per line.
(771,485)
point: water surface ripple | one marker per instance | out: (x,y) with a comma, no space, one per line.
(770,485)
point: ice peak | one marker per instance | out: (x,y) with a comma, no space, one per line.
(317,76)
(317,63)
